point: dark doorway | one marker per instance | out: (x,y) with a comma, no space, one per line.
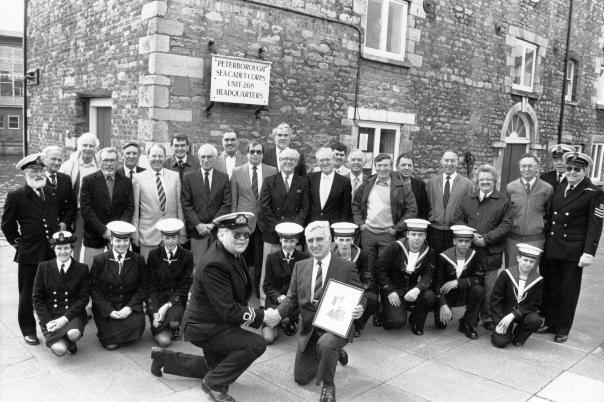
(103,125)
(509,167)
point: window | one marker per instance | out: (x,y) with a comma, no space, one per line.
(600,86)
(13,121)
(571,70)
(11,65)
(386,28)
(597,153)
(376,138)
(524,54)
(1,121)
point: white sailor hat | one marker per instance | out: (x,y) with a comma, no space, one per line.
(528,250)
(288,230)
(344,229)
(463,231)
(417,225)
(62,237)
(169,226)
(30,161)
(577,158)
(557,150)
(235,220)
(121,229)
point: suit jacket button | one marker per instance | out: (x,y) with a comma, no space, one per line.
(566,214)
(555,213)
(564,235)
(54,293)
(55,306)
(552,233)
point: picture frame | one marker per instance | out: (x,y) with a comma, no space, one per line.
(334,313)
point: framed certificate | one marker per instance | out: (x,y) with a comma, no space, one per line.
(335,310)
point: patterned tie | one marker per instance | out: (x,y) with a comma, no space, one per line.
(206,181)
(447,192)
(131,174)
(318,288)
(120,263)
(255,182)
(109,182)
(160,192)
(528,188)
(53,180)
(62,271)
(287,183)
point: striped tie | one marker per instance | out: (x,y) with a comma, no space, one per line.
(110,187)
(318,288)
(160,192)
(255,182)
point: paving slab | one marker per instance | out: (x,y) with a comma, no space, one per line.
(12,351)
(385,392)
(591,366)
(43,387)
(573,387)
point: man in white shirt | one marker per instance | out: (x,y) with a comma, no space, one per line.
(131,153)
(228,159)
(356,161)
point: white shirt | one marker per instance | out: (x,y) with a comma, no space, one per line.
(324,265)
(258,174)
(203,176)
(66,263)
(287,181)
(521,285)
(451,179)
(531,182)
(325,187)
(183,160)
(482,195)
(116,254)
(229,163)
(411,261)
(127,171)
(459,267)
(170,251)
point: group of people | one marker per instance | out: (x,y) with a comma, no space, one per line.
(189,240)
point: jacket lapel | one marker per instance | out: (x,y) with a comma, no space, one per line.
(292,190)
(573,195)
(35,197)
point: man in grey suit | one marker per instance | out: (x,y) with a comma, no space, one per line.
(230,157)
(246,183)
(156,196)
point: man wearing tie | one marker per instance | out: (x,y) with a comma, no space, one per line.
(230,157)
(356,161)
(558,175)
(282,135)
(60,184)
(246,185)
(181,161)
(131,153)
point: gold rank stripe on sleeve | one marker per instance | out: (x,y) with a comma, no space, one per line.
(249,317)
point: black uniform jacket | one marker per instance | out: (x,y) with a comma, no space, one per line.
(270,158)
(169,280)
(391,273)
(54,297)
(66,199)
(278,206)
(219,296)
(504,297)
(367,277)
(446,262)
(551,177)
(278,274)
(112,291)
(337,205)
(573,227)
(418,187)
(28,223)
(98,209)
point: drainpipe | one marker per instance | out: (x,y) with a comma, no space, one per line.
(563,99)
(24,44)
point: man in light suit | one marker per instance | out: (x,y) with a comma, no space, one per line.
(246,184)
(230,157)
(318,350)
(156,197)
(282,135)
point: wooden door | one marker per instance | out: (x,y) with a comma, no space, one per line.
(103,126)
(510,170)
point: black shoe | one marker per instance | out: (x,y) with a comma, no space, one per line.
(559,338)
(468,331)
(328,393)
(343,358)
(357,333)
(216,395)
(176,334)
(157,355)
(290,329)
(31,339)
(544,329)
(488,325)
(415,329)
(377,321)
(72,348)
(518,343)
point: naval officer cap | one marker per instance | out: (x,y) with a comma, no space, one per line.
(31,162)
(169,226)
(463,231)
(121,229)
(62,237)
(417,225)
(528,250)
(233,221)
(557,150)
(288,230)
(344,229)
(577,158)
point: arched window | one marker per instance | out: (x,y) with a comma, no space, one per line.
(519,127)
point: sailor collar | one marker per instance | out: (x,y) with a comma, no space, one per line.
(423,251)
(355,252)
(450,256)
(514,274)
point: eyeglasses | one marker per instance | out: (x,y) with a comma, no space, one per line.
(241,235)
(577,169)
(255,152)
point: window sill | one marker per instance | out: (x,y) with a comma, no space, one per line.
(521,92)
(386,60)
(571,102)
(599,106)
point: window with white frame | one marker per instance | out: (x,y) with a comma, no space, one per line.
(525,55)
(11,66)
(1,121)
(600,86)
(597,154)
(376,138)
(13,122)
(386,28)
(571,70)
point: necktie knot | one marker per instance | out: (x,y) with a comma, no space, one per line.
(448,178)
(53,179)
(131,174)
(62,269)
(171,256)
(119,258)
(254,168)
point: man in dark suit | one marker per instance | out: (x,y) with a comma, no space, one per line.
(205,195)
(571,243)
(356,162)
(318,350)
(60,183)
(558,175)
(282,135)
(30,218)
(105,197)
(181,160)
(404,167)
(284,198)
(131,153)
(330,193)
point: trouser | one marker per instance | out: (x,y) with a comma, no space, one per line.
(78,232)
(490,277)
(474,297)
(374,245)
(319,359)
(25,314)
(440,239)
(561,287)
(511,251)
(370,309)
(183,364)
(253,257)
(395,317)
(267,248)
(519,330)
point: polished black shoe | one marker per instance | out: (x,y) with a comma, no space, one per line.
(328,393)
(488,325)
(518,343)
(416,330)
(176,334)
(216,395)
(31,339)
(544,329)
(343,358)
(72,348)
(290,329)
(157,355)
(468,331)
(357,333)
(438,324)
(559,338)
(377,321)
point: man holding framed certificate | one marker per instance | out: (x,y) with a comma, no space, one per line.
(318,348)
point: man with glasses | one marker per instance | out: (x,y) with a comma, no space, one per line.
(282,134)
(106,197)
(228,159)
(181,161)
(246,186)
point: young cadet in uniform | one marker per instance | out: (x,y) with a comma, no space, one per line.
(404,272)
(458,281)
(516,298)
(279,266)
(170,274)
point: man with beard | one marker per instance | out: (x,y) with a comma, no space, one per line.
(30,218)
(52,156)
(228,159)
(131,153)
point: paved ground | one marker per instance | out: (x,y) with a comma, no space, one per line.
(384,366)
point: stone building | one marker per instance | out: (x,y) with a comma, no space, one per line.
(482,77)
(11,92)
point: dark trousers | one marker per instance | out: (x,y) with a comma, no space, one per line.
(25,281)
(319,359)
(183,364)
(518,330)
(374,244)
(395,317)
(370,309)
(472,298)
(440,240)
(561,287)
(253,256)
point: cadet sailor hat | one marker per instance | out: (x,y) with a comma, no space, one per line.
(288,230)
(577,158)
(169,226)
(121,229)
(233,221)
(528,250)
(463,231)
(417,225)
(62,237)
(344,229)
(557,150)
(31,161)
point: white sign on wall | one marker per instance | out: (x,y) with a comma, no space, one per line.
(238,80)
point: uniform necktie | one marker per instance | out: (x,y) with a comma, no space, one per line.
(287,183)
(559,177)
(318,287)
(568,190)
(528,188)
(131,174)
(255,182)
(63,271)
(181,169)
(120,263)
(160,192)
(41,194)
(53,180)
(110,186)
(447,192)
(170,257)
(206,181)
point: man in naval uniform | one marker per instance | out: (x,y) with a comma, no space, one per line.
(558,175)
